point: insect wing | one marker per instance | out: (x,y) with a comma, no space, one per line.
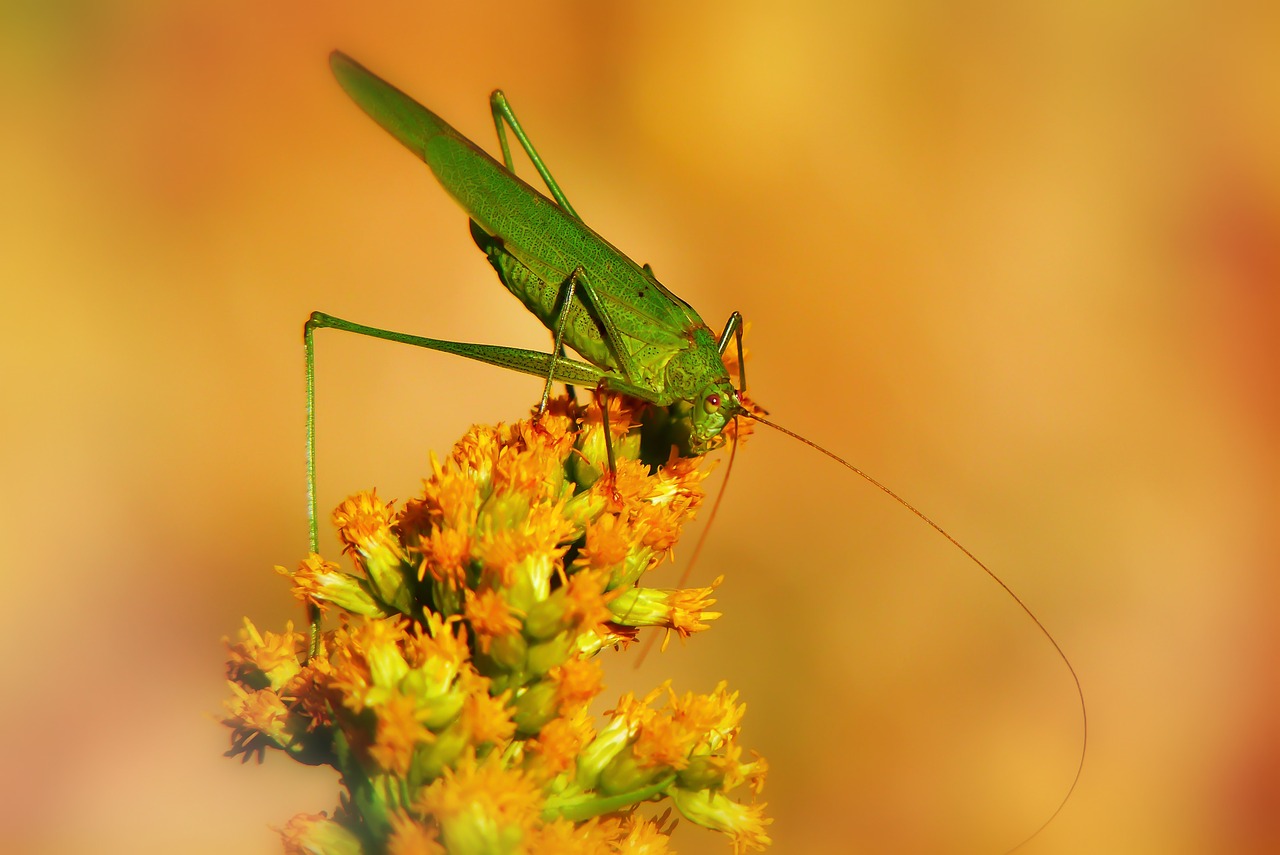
(535,230)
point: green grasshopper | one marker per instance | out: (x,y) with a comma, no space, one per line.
(639,339)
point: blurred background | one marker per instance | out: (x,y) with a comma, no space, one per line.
(1022,264)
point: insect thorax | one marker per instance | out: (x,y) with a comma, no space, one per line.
(691,370)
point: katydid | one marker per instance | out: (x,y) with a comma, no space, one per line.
(637,337)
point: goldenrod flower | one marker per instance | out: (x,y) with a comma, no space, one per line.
(411,837)
(490,617)
(453,693)
(271,655)
(483,806)
(555,750)
(321,584)
(745,824)
(309,834)
(258,719)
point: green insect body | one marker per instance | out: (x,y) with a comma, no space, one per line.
(638,338)
(648,342)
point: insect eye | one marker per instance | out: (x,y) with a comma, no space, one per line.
(713,401)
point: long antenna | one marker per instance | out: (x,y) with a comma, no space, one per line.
(1084,712)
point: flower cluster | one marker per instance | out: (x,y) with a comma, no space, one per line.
(453,695)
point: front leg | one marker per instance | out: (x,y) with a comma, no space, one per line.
(565,299)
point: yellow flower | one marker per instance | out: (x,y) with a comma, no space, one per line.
(452,497)
(365,529)
(442,649)
(555,749)
(487,718)
(662,741)
(690,609)
(368,661)
(363,522)
(453,695)
(258,720)
(755,773)
(684,611)
(584,601)
(562,837)
(490,617)
(745,824)
(446,554)
(411,837)
(399,732)
(309,690)
(321,584)
(482,806)
(522,547)
(577,683)
(609,541)
(718,714)
(641,836)
(309,834)
(274,656)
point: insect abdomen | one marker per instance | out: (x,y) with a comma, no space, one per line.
(542,298)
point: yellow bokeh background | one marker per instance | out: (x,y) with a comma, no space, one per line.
(1020,261)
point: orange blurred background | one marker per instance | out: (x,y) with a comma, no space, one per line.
(1021,264)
